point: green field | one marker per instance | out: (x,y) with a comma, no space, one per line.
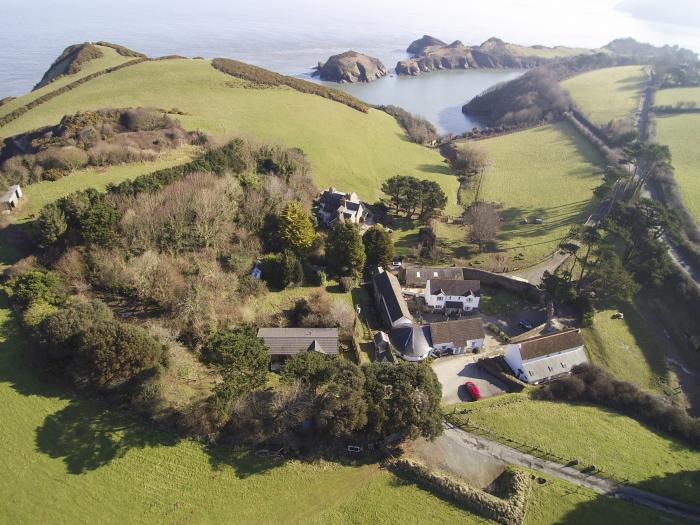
(607,94)
(348,149)
(547,52)
(627,348)
(681,133)
(110,59)
(67,460)
(672,96)
(619,445)
(547,172)
(39,194)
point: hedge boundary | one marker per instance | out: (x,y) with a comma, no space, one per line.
(68,87)
(265,77)
(509,511)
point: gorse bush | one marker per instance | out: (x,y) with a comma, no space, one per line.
(419,129)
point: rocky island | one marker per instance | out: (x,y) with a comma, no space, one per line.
(351,67)
(430,54)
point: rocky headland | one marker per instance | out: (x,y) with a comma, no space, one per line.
(350,67)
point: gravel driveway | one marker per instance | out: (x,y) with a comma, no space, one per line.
(454,371)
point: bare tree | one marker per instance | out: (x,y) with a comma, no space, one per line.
(467,158)
(484,223)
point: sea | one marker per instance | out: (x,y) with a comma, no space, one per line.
(292,36)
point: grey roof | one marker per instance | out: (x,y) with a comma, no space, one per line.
(290,341)
(391,301)
(410,341)
(457,287)
(550,344)
(457,332)
(554,365)
(417,276)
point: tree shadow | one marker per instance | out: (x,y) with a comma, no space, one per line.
(87,436)
(440,169)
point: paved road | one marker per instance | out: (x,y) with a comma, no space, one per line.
(534,273)
(512,456)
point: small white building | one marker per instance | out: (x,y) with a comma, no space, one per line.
(452,294)
(546,357)
(461,336)
(10,199)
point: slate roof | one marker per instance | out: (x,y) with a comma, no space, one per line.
(388,288)
(461,287)
(10,194)
(550,344)
(410,341)
(417,276)
(457,332)
(290,341)
(552,366)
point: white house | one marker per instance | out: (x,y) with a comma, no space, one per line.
(452,294)
(461,336)
(334,205)
(11,197)
(546,357)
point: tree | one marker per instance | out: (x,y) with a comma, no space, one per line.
(280,270)
(395,188)
(432,200)
(99,225)
(379,247)
(484,223)
(590,237)
(312,369)
(342,406)
(37,286)
(466,158)
(559,287)
(609,279)
(51,225)
(345,252)
(242,359)
(402,398)
(296,227)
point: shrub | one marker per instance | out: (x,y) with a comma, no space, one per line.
(141,119)
(347,283)
(282,270)
(37,287)
(249,286)
(419,129)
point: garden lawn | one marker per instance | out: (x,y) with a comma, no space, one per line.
(672,96)
(619,445)
(627,348)
(36,196)
(606,94)
(348,149)
(110,59)
(67,460)
(681,133)
(548,172)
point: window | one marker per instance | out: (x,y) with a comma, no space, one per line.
(435,274)
(530,372)
(417,274)
(563,365)
(550,368)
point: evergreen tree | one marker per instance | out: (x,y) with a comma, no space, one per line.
(296,228)
(345,252)
(379,247)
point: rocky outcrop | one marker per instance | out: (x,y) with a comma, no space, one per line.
(350,67)
(494,53)
(418,46)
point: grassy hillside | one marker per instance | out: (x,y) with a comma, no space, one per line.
(348,149)
(619,445)
(682,134)
(607,94)
(626,348)
(547,172)
(66,460)
(666,97)
(110,58)
(547,52)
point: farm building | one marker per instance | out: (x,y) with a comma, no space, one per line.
(417,276)
(461,336)
(452,294)
(10,199)
(285,342)
(391,304)
(334,205)
(546,357)
(411,341)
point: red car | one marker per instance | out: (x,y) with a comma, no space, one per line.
(473,390)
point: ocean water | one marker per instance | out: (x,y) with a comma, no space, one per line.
(291,36)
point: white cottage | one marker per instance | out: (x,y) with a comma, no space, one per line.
(452,294)
(546,357)
(459,337)
(10,199)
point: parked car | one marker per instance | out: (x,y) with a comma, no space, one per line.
(525,325)
(473,390)
(396,263)
(538,220)
(618,315)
